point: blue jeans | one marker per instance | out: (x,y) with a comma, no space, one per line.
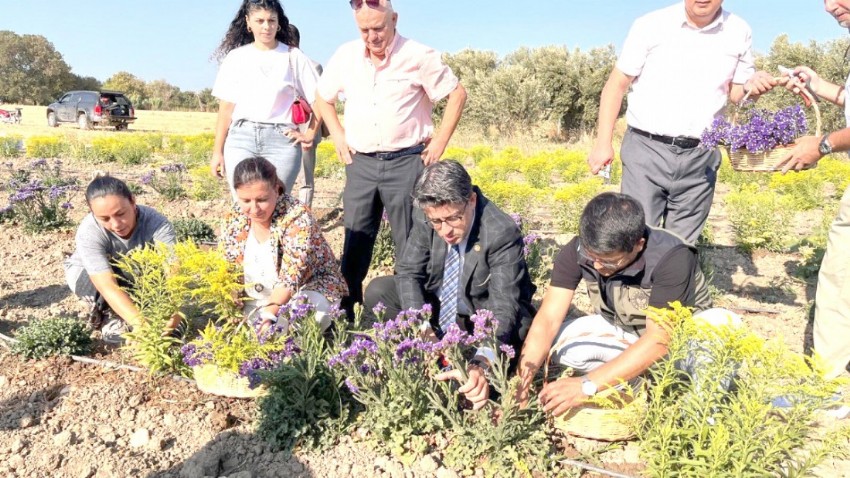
(247,139)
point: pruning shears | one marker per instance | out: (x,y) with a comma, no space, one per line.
(805,83)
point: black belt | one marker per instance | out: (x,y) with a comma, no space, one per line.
(685,142)
(388,155)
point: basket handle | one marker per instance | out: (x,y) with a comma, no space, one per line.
(811,100)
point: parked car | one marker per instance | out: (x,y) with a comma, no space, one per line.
(92,108)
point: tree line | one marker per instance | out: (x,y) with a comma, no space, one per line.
(546,91)
(33,72)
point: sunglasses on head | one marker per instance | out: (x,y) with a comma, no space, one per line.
(356,4)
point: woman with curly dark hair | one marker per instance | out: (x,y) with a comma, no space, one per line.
(260,78)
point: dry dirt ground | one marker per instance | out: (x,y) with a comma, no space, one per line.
(67,419)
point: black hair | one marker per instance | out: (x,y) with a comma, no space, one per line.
(441,183)
(102,186)
(294,36)
(257,169)
(612,222)
(238,34)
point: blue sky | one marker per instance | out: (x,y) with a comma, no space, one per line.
(173,40)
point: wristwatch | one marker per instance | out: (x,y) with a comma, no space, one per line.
(824,147)
(588,387)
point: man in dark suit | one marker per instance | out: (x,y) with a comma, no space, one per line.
(463,254)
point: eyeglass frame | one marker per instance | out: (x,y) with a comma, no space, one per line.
(582,252)
(452,221)
(358,4)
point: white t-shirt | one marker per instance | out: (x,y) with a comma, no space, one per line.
(261,84)
(683,74)
(259,272)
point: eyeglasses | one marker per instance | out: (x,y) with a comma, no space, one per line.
(452,221)
(356,4)
(604,264)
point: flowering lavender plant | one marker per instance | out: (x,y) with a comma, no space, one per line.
(167,181)
(537,257)
(759,132)
(39,197)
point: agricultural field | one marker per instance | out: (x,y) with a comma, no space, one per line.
(760,249)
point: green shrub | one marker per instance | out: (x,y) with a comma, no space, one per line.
(804,189)
(572,165)
(512,197)
(570,201)
(40,197)
(197,149)
(836,172)
(458,154)
(328,165)
(537,170)
(205,187)
(63,335)
(193,229)
(129,149)
(9,146)
(693,428)
(813,248)
(304,406)
(492,170)
(729,176)
(480,153)
(760,219)
(154,142)
(46,146)
(167,181)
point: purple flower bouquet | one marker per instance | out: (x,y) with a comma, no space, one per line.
(758,139)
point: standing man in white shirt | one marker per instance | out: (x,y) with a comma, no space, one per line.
(682,63)
(390,84)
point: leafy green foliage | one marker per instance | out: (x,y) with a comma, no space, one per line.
(205,187)
(305,406)
(804,189)
(62,335)
(193,229)
(39,197)
(9,146)
(760,218)
(45,146)
(328,165)
(694,429)
(165,280)
(570,201)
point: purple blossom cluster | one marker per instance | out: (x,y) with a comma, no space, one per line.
(528,241)
(174,168)
(517,220)
(400,327)
(147,178)
(250,369)
(360,345)
(194,356)
(761,131)
(508,351)
(295,310)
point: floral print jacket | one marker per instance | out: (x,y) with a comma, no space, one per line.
(303,258)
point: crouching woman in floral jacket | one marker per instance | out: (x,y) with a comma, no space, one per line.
(280,247)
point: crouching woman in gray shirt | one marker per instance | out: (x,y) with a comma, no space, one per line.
(114,226)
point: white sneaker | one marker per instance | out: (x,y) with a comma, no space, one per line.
(112,331)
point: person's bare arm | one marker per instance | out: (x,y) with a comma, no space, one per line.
(541,335)
(609,109)
(451,117)
(222,125)
(117,298)
(327,111)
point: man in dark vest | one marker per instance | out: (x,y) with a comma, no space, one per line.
(627,267)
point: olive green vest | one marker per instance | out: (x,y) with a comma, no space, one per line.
(627,292)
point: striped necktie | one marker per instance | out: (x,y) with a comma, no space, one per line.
(448,292)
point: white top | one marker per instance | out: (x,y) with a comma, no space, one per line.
(261,84)
(847,102)
(259,271)
(682,73)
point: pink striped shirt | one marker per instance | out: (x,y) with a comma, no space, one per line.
(387,107)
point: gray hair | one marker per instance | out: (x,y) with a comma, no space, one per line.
(441,183)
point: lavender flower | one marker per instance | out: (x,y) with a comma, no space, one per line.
(38,163)
(250,370)
(379,310)
(761,131)
(358,346)
(351,387)
(529,241)
(508,351)
(173,168)
(147,178)
(517,220)
(67,205)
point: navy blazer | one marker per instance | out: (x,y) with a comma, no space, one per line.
(494,277)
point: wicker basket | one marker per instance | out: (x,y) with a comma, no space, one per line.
(617,420)
(212,379)
(743,160)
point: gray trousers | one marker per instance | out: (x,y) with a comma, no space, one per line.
(675,185)
(372,185)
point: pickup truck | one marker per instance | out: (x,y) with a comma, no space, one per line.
(92,108)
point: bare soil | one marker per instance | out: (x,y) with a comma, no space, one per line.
(66,419)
